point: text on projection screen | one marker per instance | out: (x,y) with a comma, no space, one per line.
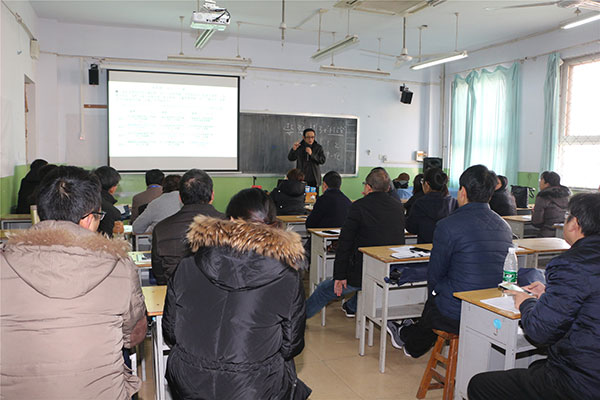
(172,121)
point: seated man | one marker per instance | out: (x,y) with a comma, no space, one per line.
(332,207)
(154,181)
(160,208)
(71,300)
(469,248)
(109,179)
(168,237)
(563,315)
(375,220)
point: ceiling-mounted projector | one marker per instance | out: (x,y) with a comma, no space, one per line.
(210,17)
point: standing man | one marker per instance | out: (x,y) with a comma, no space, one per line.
(375,220)
(71,300)
(562,315)
(154,181)
(308,155)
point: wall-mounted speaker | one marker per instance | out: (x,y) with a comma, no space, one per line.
(405,95)
(94,74)
(431,162)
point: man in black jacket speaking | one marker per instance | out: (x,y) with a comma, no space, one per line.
(308,155)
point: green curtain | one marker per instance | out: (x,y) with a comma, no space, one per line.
(485,122)
(551,112)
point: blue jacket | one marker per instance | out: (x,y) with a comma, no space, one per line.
(567,318)
(469,248)
(330,210)
(426,212)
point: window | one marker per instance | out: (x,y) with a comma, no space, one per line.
(579,142)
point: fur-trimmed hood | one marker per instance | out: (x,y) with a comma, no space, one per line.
(60,259)
(238,254)
(555,192)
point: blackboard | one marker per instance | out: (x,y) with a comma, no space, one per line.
(266,139)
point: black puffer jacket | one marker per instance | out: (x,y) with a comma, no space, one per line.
(289,197)
(550,207)
(426,212)
(503,202)
(567,319)
(235,313)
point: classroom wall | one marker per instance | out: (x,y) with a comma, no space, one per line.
(17,67)
(570,43)
(389,131)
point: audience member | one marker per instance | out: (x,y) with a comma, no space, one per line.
(502,201)
(28,185)
(154,179)
(391,190)
(160,208)
(432,207)
(45,170)
(331,208)
(109,179)
(401,182)
(71,300)
(168,237)
(375,220)
(550,204)
(562,316)
(469,248)
(235,311)
(417,193)
(289,194)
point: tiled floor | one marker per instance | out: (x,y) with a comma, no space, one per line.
(331,367)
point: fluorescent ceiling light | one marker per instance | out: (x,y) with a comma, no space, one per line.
(212,60)
(436,61)
(337,46)
(203,38)
(579,22)
(333,68)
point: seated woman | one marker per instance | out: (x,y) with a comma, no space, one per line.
(550,204)
(417,193)
(502,201)
(289,194)
(235,311)
(433,206)
(160,208)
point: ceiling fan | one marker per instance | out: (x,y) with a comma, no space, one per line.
(582,4)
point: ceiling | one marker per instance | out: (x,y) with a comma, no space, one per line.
(478,26)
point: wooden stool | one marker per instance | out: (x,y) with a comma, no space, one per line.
(446,382)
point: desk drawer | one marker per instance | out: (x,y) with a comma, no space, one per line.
(495,327)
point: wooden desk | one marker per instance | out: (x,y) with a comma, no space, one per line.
(558,230)
(15,221)
(545,248)
(155,303)
(490,339)
(376,306)
(142,241)
(295,223)
(321,261)
(518,223)
(142,260)
(524,211)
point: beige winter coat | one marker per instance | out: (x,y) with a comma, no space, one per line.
(69,301)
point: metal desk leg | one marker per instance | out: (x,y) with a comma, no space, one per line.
(384,317)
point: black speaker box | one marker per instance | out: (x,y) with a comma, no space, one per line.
(94,74)
(431,162)
(406,97)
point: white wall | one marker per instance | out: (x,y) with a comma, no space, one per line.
(386,127)
(533,74)
(16,64)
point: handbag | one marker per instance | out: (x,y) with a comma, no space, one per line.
(521,193)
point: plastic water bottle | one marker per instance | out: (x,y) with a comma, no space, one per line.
(511,266)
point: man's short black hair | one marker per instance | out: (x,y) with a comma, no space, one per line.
(171,183)
(108,176)
(586,208)
(551,178)
(67,194)
(154,177)
(308,130)
(479,182)
(333,180)
(379,180)
(195,187)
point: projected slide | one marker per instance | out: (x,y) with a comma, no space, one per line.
(172,121)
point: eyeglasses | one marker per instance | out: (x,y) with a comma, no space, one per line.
(100,213)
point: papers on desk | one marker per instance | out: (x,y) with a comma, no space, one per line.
(407,252)
(505,303)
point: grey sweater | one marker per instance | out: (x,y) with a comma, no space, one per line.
(158,209)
